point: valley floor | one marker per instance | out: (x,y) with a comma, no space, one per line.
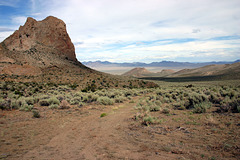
(82,133)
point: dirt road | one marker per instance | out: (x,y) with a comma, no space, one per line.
(95,137)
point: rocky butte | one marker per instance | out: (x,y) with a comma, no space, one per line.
(42,51)
(49,33)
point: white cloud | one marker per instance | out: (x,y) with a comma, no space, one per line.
(5,34)
(116,30)
(10,3)
(19,20)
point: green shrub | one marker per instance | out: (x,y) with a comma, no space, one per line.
(215,99)
(53,100)
(146,108)
(75,101)
(85,98)
(166,111)
(26,107)
(158,103)
(105,101)
(44,102)
(119,99)
(155,108)
(103,115)
(29,100)
(5,104)
(80,104)
(202,107)
(94,98)
(196,98)
(53,106)
(238,109)
(147,120)
(36,114)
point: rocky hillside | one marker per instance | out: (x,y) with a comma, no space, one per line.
(42,51)
(229,71)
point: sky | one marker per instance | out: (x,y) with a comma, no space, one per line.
(138,30)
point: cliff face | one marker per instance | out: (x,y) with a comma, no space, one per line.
(49,33)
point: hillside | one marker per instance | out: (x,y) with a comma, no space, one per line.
(137,72)
(228,71)
(42,51)
(143,72)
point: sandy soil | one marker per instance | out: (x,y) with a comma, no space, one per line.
(80,133)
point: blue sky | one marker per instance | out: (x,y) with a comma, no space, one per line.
(138,30)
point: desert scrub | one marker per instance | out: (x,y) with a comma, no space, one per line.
(180,105)
(166,111)
(29,100)
(147,120)
(154,108)
(44,102)
(26,107)
(80,104)
(53,100)
(75,101)
(53,106)
(202,107)
(103,115)
(119,99)
(36,114)
(105,101)
(91,97)
(195,98)
(5,104)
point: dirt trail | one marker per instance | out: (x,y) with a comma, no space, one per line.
(80,133)
(92,137)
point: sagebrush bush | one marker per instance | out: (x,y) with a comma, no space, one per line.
(105,100)
(119,99)
(36,114)
(154,108)
(29,100)
(44,102)
(75,101)
(5,104)
(166,111)
(80,104)
(147,120)
(202,107)
(53,106)
(26,107)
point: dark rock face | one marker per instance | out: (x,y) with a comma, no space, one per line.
(49,33)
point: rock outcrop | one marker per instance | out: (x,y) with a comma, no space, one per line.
(41,51)
(49,33)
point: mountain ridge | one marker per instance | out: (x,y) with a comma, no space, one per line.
(154,64)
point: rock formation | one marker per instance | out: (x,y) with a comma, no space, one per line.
(48,33)
(41,51)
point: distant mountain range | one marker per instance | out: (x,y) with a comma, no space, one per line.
(168,64)
(214,71)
